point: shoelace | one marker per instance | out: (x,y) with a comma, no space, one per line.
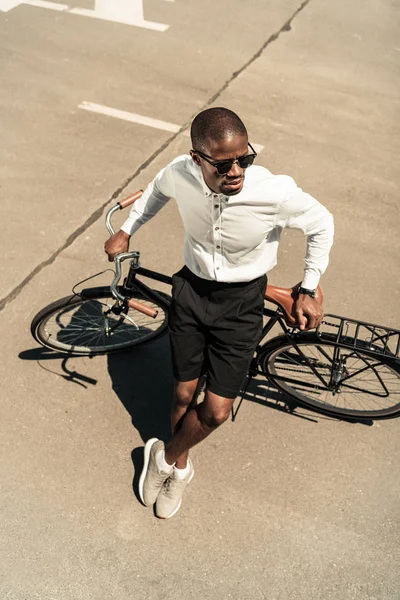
(171,482)
(167,485)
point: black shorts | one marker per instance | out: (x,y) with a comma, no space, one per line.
(215,326)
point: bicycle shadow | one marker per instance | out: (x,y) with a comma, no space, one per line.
(261,391)
(41,354)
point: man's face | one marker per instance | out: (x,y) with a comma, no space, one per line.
(230,183)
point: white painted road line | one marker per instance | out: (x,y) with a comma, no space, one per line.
(6,5)
(127,12)
(128,116)
(49,5)
(141,120)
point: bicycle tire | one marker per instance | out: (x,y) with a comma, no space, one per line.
(76,325)
(371,399)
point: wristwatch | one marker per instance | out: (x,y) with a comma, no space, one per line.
(310,293)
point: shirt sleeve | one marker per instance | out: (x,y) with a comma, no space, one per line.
(155,196)
(301,211)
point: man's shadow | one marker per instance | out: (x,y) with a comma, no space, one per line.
(142,379)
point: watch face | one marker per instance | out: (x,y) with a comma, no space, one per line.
(307,292)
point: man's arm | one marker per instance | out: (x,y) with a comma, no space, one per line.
(301,211)
(155,196)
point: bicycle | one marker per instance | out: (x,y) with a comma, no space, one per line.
(345,368)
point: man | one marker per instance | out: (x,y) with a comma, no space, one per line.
(232,214)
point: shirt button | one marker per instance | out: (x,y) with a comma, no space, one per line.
(218,247)
(216,205)
(217,228)
(217,268)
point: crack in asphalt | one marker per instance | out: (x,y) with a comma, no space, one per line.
(287,26)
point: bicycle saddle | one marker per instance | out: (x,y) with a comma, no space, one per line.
(285,297)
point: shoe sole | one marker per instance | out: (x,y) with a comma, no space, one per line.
(180,502)
(147,450)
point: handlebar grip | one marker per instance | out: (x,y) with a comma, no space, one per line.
(130,199)
(142,308)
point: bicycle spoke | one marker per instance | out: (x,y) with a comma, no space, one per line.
(89,325)
(332,376)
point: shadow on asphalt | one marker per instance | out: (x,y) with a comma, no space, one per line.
(44,354)
(262,392)
(142,380)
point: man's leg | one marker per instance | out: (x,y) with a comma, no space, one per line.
(183,401)
(187,346)
(197,423)
(194,426)
(231,323)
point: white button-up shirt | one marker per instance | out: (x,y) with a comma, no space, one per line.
(235,238)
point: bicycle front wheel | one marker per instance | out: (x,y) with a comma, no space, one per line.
(85,325)
(334,379)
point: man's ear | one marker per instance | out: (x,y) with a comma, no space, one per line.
(195,158)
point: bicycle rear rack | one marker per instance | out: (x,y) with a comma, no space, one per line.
(359,335)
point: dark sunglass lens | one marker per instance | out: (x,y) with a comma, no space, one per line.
(224,167)
(246,161)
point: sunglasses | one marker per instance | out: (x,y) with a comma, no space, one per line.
(224,166)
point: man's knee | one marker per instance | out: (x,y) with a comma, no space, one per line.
(216,418)
(184,392)
(215,413)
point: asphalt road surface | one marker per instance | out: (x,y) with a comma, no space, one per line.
(95,98)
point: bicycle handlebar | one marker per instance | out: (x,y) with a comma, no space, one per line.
(119,258)
(130,199)
(119,206)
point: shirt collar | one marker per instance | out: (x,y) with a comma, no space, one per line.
(199,176)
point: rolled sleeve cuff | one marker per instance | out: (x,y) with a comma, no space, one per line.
(130,226)
(310,280)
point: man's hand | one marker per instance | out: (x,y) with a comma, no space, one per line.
(308,312)
(117,243)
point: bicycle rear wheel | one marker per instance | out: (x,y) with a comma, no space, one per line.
(334,379)
(84,325)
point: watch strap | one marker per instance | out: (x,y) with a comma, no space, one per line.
(307,292)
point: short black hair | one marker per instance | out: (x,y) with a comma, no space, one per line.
(215,124)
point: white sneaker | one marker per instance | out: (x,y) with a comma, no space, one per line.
(170,498)
(152,478)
